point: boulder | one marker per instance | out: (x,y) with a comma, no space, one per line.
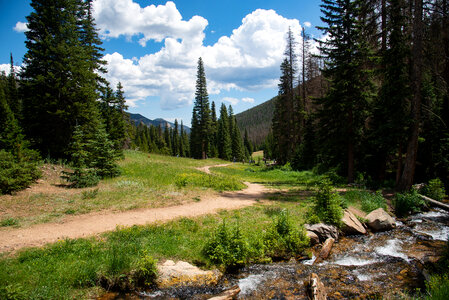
(351,225)
(171,274)
(323,231)
(325,250)
(315,288)
(228,294)
(314,239)
(380,220)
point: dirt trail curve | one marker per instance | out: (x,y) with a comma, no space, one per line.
(95,223)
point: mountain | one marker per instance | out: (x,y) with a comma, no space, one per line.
(138,118)
(257,120)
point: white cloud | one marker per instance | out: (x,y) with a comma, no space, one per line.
(231,100)
(125,17)
(248,59)
(307,24)
(248,100)
(21,27)
(6,68)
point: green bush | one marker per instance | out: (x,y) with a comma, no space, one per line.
(408,203)
(9,222)
(227,248)
(81,177)
(17,173)
(434,189)
(282,239)
(146,270)
(328,204)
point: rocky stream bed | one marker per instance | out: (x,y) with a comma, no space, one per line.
(375,265)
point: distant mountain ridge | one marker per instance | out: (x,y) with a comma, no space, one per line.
(138,118)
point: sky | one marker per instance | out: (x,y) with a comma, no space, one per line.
(152,48)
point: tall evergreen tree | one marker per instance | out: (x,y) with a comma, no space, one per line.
(213,150)
(237,149)
(175,140)
(286,117)
(59,76)
(200,136)
(223,135)
(343,110)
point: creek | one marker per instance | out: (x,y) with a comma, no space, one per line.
(377,265)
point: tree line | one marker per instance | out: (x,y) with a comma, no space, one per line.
(59,104)
(212,137)
(384,111)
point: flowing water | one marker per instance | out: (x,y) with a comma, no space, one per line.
(380,265)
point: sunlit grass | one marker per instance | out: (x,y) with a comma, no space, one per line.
(146,181)
(72,268)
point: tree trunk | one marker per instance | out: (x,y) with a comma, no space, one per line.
(350,147)
(412,147)
(399,165)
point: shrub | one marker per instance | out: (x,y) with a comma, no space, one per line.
(434,189)
(146,270)
(283,240)
(408,203)
(81,177)
(17,173)
(9,222)
(328,204)
(227,248)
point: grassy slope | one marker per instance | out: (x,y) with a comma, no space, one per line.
(73,268)
(146,181)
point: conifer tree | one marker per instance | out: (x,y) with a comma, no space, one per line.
(213,152)
(343,110)
(247,144)
(237,149)
(60,75)
(175,140)
(200,136)
(223,135)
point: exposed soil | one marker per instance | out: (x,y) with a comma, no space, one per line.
(12,239)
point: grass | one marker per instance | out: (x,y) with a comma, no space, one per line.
(73,268)
(146,181)
(275,177)
(365,200)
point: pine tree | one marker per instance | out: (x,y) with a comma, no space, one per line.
(213,152)
(343,110)
(287,112)
(223,135)
(248,145)
(390,120)
(237,150)
(200,136)
(175,140)
(60,75)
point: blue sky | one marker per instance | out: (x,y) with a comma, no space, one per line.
(152,48)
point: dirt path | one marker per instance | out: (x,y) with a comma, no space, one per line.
(96,223)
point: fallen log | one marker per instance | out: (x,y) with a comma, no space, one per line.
(435,202)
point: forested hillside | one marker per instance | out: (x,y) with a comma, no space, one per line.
(257,121)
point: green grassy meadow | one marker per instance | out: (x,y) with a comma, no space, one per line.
(83,268)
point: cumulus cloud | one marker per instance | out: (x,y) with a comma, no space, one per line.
(307,24)
(21,27)
(231,100)
(248,100)
(248,59)
(125,17)
(6,68)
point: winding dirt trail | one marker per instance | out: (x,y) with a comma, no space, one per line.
(99,222)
